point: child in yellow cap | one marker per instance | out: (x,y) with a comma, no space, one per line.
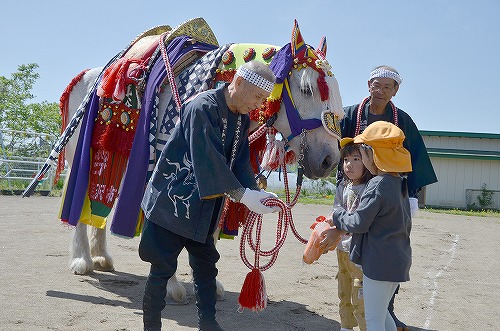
(381,224)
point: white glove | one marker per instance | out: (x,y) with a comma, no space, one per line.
(271,194)
(252,199)
(413,206)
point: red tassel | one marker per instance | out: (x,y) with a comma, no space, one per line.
(253,294)
(323,86)
(257,149)
(109,77)
(290,157)
(235,216)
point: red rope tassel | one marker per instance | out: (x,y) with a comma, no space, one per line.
(257,148)
(235,216)
(253,294)
(323,86)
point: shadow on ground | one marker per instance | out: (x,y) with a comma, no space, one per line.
(128,290)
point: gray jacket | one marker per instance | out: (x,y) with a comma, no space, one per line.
(381,228)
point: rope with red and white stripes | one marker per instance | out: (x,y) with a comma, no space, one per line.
(254,222)
(257,133)
(169,71)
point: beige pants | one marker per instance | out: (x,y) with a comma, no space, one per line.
(350,291)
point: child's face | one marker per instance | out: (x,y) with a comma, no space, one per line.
(353,167)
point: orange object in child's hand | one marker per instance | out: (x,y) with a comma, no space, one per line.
(313,250)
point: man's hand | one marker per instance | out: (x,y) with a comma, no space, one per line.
(413,206)
(253,200)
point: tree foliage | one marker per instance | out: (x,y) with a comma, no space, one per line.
(16,111)
(28,129)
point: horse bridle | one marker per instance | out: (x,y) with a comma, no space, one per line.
(300,127)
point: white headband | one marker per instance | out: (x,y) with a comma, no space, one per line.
(255,79)
(384,73)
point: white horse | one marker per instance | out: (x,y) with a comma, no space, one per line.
(317,149)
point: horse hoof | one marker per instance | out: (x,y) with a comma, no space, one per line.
(176,294)
(102,263)
(173,302)
(221,293)
(79,266)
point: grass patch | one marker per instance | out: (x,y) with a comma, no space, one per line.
(320,199)
(311,199)
(481,213)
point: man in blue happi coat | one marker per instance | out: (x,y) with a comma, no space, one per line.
(383,84)
(206,158)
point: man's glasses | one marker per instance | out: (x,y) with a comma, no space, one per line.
(376,87)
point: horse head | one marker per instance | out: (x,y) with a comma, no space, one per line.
(305,105)
(310,107)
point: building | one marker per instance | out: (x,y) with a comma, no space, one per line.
(468,169)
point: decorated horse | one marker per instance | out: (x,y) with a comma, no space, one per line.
(123,114)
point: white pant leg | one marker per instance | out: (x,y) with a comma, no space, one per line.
(377,295)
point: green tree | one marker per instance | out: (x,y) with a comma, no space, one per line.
(16,111)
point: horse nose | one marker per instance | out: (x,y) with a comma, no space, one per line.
(327,163)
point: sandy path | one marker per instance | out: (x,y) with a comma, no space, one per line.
(454,285)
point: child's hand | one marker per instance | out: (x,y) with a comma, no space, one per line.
(331,238)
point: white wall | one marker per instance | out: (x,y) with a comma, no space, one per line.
(456,175)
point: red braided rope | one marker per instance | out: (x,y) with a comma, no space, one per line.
(255,220)
(284,221)
(292,204)
(170,73)
(257,133)
(360,111)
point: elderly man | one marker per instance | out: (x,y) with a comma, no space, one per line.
(383,84)
(206,157)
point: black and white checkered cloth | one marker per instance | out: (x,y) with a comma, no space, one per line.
(196,78)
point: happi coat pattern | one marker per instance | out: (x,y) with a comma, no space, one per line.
(194,169)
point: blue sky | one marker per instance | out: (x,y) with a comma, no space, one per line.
(447,51)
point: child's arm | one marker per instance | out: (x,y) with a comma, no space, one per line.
(331,238)
(360,220)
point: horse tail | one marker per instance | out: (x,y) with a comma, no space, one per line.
(63,111)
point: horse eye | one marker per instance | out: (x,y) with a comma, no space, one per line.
(306,90)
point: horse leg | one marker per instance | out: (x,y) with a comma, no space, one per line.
(80,261)
(98,250)
(176,292)
(221,293)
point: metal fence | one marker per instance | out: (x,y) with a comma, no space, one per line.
(22,154)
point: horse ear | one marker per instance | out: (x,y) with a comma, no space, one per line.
(298,43)
(322,47)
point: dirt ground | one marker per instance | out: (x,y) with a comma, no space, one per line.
(455,282)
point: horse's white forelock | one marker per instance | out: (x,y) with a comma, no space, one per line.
(334,101)
(308,80)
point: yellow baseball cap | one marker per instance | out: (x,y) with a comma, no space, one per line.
(386,139)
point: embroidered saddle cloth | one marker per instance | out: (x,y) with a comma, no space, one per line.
(112,121)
